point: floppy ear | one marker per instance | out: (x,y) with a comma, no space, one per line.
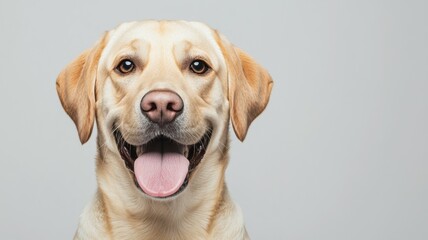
(249,87)
(76,89)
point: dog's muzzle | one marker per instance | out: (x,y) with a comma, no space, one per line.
(162,167)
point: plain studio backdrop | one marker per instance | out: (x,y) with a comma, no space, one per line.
(341,151)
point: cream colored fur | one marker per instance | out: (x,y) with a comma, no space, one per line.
(91,90)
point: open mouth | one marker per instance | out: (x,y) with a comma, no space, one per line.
(162,167)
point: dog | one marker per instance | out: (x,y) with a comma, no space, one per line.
(162,94)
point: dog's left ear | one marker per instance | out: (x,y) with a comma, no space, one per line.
(76,89)
(249,86)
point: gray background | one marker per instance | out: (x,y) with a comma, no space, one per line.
(341,152)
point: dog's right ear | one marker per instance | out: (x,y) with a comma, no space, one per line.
(76,89)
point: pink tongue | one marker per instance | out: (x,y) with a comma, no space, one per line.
(161,175)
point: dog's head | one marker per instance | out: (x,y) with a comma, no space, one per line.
(162,93)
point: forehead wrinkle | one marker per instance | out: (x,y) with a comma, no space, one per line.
(162,66)
(186,51)
(180,51)
(137,48)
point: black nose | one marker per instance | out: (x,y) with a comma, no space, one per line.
(161,106)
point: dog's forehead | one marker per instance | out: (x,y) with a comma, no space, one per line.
(162,34)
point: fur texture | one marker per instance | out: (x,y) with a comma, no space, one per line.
(90,88)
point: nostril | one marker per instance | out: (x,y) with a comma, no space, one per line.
(170,107)
(174,106)
(149,107)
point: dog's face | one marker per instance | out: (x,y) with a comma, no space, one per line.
(162,94)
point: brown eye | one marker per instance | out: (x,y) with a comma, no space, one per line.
(125,66)
(199,67)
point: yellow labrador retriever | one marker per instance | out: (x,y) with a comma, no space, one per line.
(162,94)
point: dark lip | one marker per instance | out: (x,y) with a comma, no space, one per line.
(196,152)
